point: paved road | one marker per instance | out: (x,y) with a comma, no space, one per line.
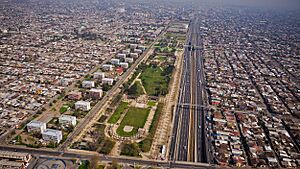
(104,158)
(189,142)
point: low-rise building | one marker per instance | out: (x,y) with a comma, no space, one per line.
(107,67)
(129,60)
(52,135)
(36,126)
(67,120)
(108,81)
(121,56)
(99,75)
(83,105)
(88,84)
(124,65)
(115,61)
(75,95)
(96,93)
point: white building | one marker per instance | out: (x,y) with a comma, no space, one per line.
(107,67)
(126,51)
(133,46)
(121,56)
(129,60)
(36,126)
(52,135)
(99,75)
(83,105)
(88,84)
(108,81)
(67,120)
(124,65)
(96,93)
(115,61)
(142,48)
(139,51)
(134,55)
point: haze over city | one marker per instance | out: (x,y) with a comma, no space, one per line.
(91,84)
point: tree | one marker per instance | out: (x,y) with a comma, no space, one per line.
(114,164)
(94,162)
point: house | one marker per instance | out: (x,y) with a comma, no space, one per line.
(107,67)
(88,84)
(75,95)
(52,135)
(108,81)
(36,126)
(96,93)
(124,65)
(129,60)
(99,75)
(83,105)
(67,120)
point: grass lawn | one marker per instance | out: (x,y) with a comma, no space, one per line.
(64,108)
(153,81)
(135,117)
(118,112)
(151,103)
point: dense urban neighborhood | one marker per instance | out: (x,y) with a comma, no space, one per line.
(122,84)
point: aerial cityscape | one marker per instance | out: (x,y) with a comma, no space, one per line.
(92,84)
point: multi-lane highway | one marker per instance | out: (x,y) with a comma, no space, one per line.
(104,158)
(189,142)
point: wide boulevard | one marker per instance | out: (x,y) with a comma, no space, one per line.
(189,141)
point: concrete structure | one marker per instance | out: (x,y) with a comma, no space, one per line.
(36,126)
(99,75)
(75,95)
(134,55)
(107,67)
(52,135)
(67,120)
(115,61)
(139,51)
(133,46)
(83,105)
(88,84)
(96,93)
(124,65)
(121,56)
(15,155)
(108,81)
(129,60)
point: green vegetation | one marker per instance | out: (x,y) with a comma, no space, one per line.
(130,150)
(151,103)
(145,145)
(102,119)
(108,145)
(136,89)
(135,117)
(154,81)
(85,165)
(117,114)
(64,108)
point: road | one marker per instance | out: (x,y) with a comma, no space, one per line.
(104,158)
(189,142)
